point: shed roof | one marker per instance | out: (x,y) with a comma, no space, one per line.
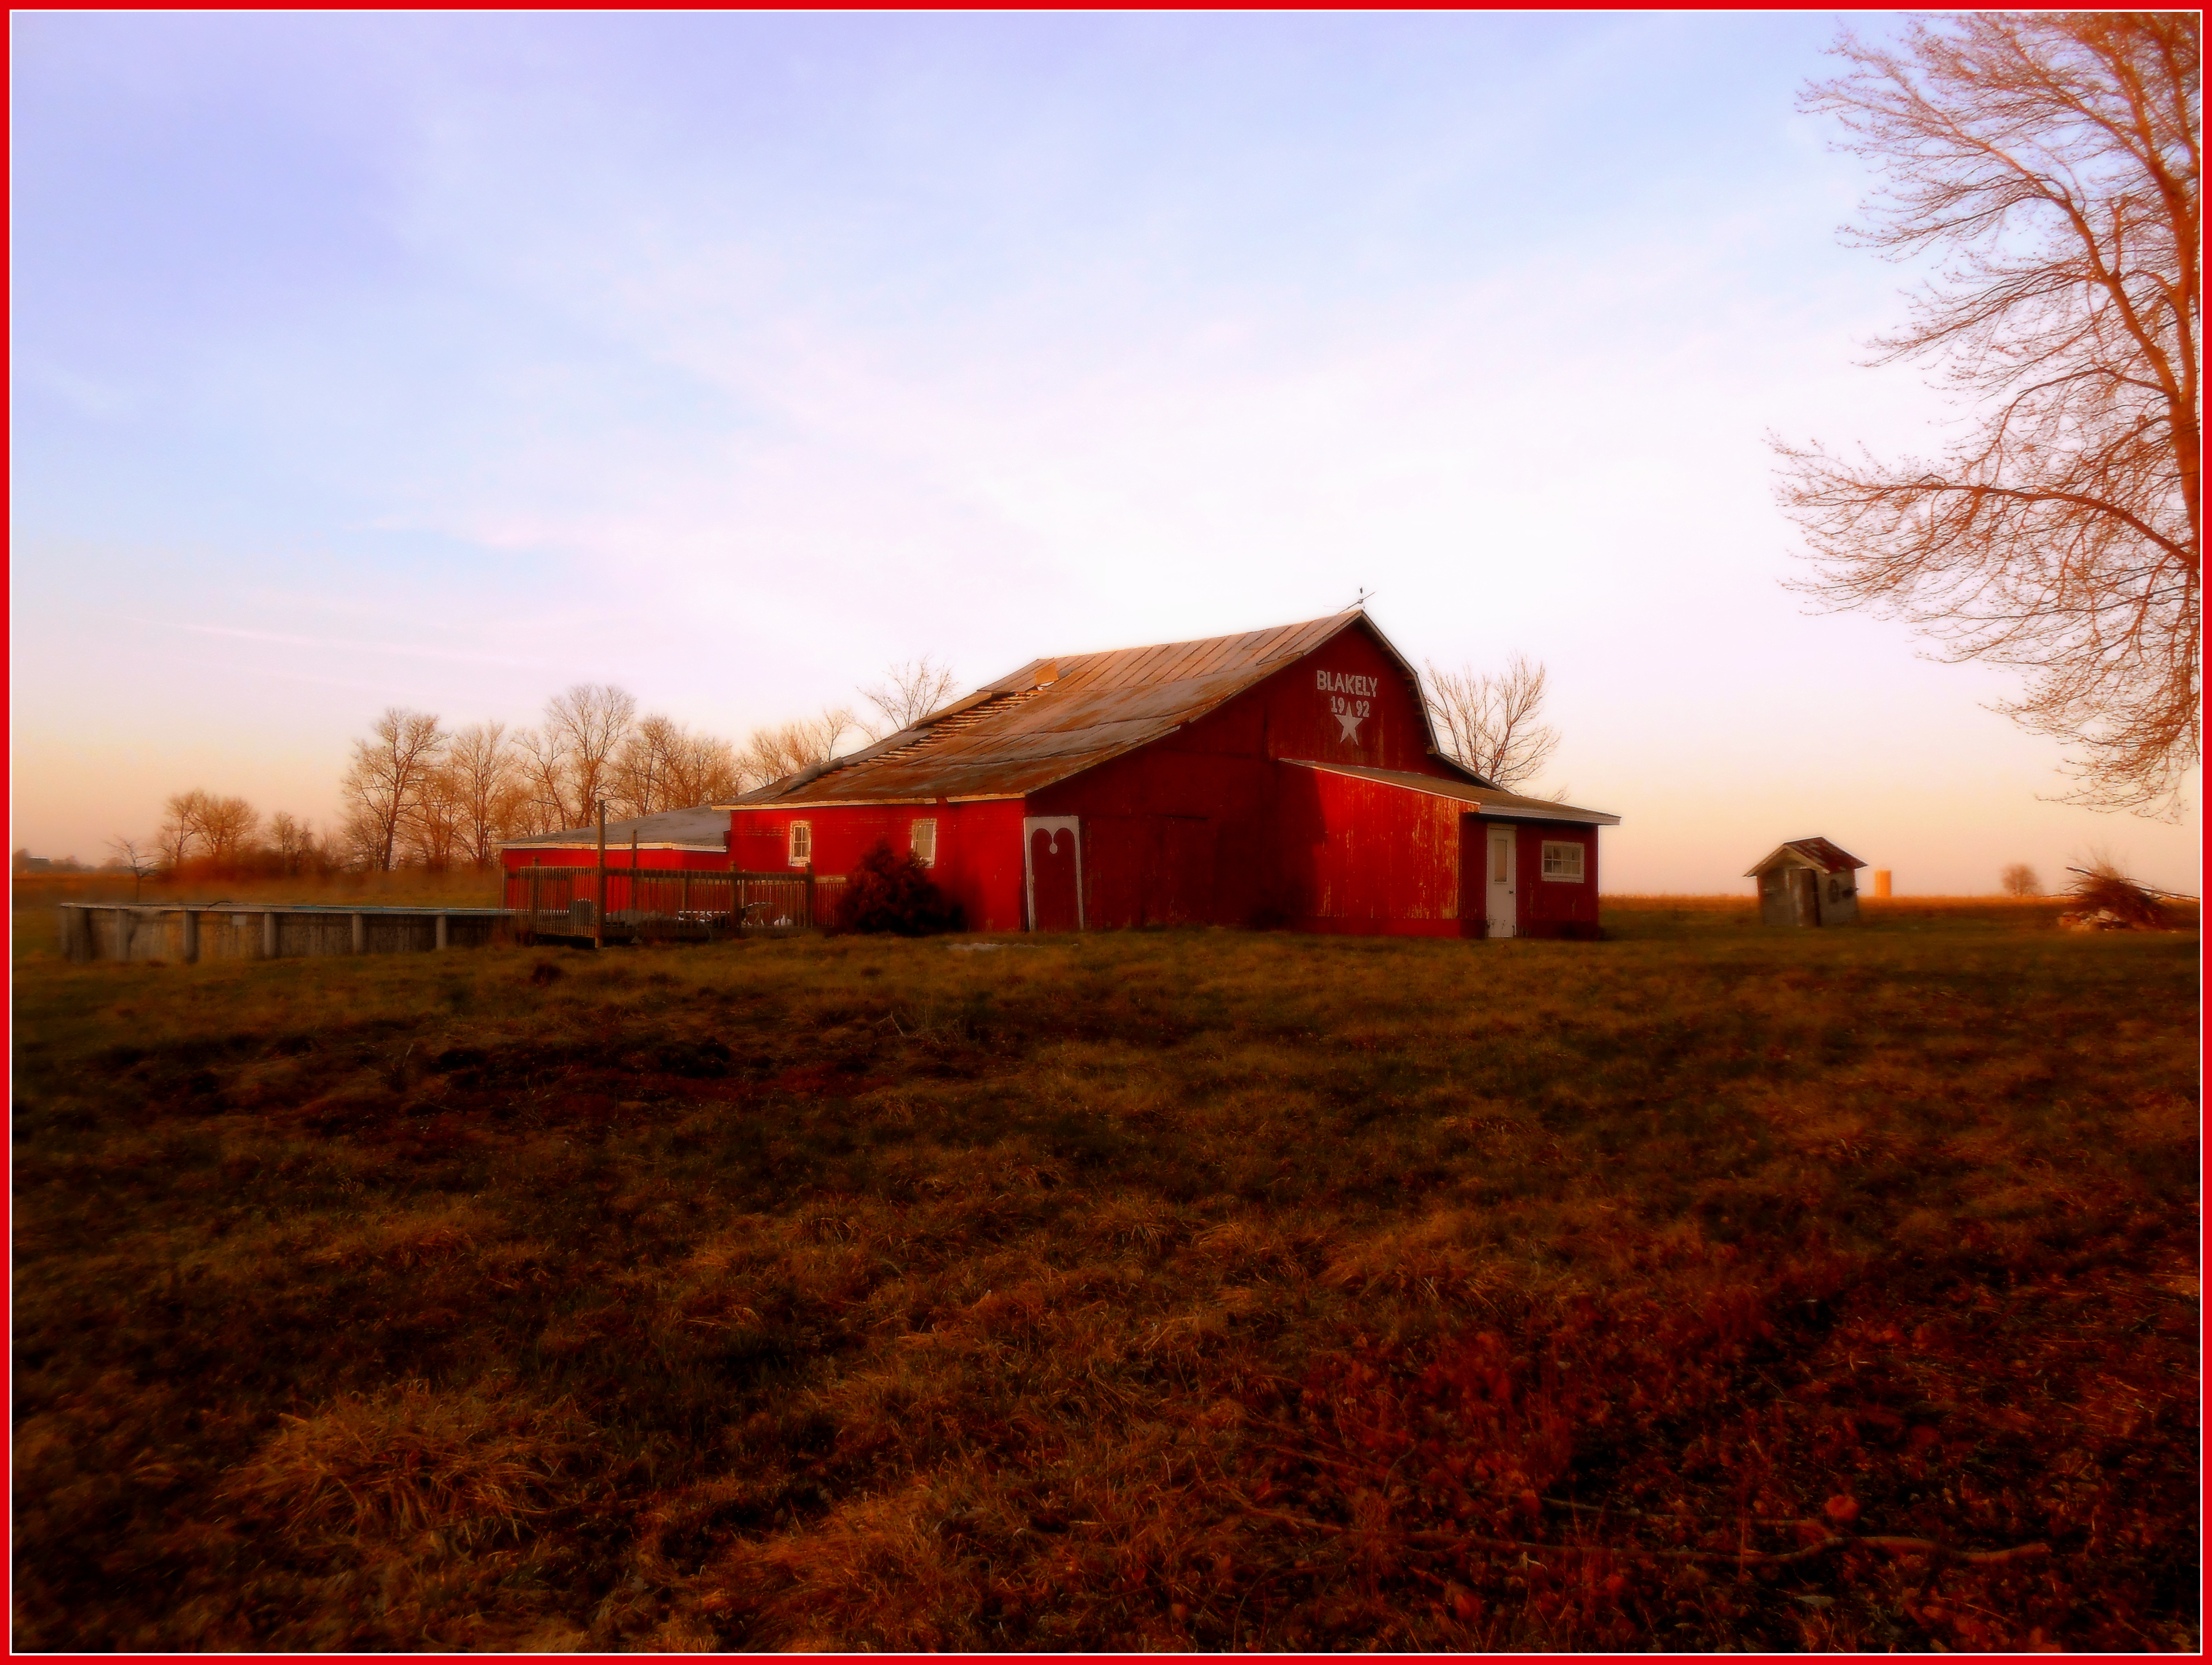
(1057,717)
(1485,800)
(702,827)
(1812,852)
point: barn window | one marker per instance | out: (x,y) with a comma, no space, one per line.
(923,842)
(802,843)
(1563,861)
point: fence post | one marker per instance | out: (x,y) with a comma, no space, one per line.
(361,934)
(268,933)
(122,934)
(189,952)
(442,930)
(599,905)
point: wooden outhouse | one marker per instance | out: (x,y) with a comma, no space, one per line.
(1807,881)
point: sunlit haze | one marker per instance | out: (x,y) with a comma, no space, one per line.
(444,362)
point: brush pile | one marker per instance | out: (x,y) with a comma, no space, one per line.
(2105,899)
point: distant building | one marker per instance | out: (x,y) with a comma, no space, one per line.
(25,862)
(1807,881)
(1286,776)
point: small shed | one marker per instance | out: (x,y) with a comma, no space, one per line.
(1807,881)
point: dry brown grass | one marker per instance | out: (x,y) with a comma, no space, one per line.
(1169,1290)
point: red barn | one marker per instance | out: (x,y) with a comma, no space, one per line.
(1287,776)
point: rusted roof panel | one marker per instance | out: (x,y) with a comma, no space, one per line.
(1022,733)
(1485,800)
(1816,852)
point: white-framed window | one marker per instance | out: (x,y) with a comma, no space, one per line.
(1563,861)
(922,841)
(802,843)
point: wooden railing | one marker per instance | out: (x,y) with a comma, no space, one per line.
(666,902)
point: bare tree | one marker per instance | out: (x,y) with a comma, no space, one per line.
(587,724)
(541,765)
(2019,880)
(135,857)
(221,829)
(769,754)
(704,770)
(1493,722)
(910,693)
(385,785)
(434,835)
(638,782)
(182,819)
(227,827)
(2051,159)
(291,841)
(480,778)
(663,765)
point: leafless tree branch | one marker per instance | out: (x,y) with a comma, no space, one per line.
(2053,159)
(1491,721)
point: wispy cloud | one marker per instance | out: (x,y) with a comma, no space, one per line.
(325,644)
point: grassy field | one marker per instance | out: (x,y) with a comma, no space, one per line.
(1708,1287)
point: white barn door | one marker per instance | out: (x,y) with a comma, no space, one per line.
(1504,889)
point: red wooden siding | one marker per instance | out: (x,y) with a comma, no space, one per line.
(978,847)
(1359,857)
(1551,907)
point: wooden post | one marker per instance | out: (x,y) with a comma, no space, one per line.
(361,934)
(600,908)
(636,908)
(441,931)
(190,951)
(810,892)
(268,933)
(122,933)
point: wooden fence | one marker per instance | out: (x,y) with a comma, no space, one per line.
(667,904)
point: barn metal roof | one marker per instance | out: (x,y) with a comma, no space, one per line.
(1814,851)
(702,827)
(1487,801)
(1057,717)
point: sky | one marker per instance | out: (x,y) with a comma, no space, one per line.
(443,361)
